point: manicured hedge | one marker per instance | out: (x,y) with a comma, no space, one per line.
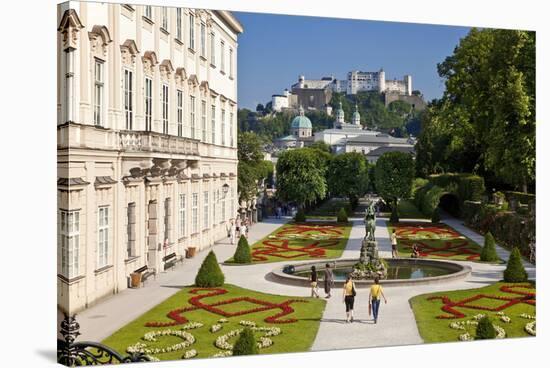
(242,253)
(342,215)
(520,197)
(509,229)
(485,329)
(515,272)
(210,273)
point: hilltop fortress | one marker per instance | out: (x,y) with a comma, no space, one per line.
(315,94)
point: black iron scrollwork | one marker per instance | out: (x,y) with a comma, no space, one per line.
(83,353)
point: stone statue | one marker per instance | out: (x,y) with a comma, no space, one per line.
(370,221)
(369,265)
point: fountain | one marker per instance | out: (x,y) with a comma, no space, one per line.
(370,265)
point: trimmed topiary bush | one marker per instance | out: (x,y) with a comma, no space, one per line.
(300,216)
(246,343)
(210,273)
(394,217)
(485,329)
(489,251)
(342,215)
(515,272)
(436,218)
(242,253)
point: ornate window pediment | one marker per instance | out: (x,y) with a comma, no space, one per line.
(166,69)
(69,26)
(193,81)
(204,88)
(149,60)
(181,76)
(99,39)
(129,52)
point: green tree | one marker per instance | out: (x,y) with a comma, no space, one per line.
(515,272)
(394,174)
(210,273)
(485,329)
(242,253)
(489,251)
(251,167)
(348,176)
(321,146)
(246,343)
(299,177)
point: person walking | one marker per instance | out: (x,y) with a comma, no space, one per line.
(244,229)
(329,280)
(238,226)
(374,298)
(313,282)
(393,238)
(232,231)
(349,297)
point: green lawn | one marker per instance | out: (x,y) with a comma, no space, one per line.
(438,241)
(302,241)
(407,210)
(294,337)
(428,307)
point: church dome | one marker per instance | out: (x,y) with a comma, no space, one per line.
(301,121)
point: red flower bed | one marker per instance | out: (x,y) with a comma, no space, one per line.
(196,302)
(522,296)
(450,248)
(283,243)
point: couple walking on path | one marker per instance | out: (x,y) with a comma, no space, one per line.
(328,281)
(375,293)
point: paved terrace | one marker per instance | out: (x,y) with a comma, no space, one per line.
(396,323)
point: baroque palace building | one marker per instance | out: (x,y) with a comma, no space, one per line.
(147,140)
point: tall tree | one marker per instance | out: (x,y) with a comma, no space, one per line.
(394,174)
(299,177)
(348,176)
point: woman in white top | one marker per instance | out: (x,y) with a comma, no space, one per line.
(232,231)
(244,230)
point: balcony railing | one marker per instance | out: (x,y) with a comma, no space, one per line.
(155,142)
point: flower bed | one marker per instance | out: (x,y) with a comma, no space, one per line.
(299,241)
(434,241)
(190,323)
(509,306)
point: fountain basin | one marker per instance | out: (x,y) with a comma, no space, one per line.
(401,272)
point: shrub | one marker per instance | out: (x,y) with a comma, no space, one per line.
(300,216)
(489,251)
(342,216)
(436,218)
(485,329)
(394,217)
(514,271)
(417,184)
(431,200)
(246,343)
(242,253)
(210,273)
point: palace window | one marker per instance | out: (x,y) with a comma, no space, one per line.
(230,62)
(167,218)
(165,18)
(232,202)
(223,127)
(203,120)
(192,115)
(180,112)
(131,230)
(191,31)
(195,212)
(148,104)
(222,56)
(218,205)
(213,122)
(214,212)
(203,40)
(181,224)
(224,213)
(231,134)
(165,109)
(70,243)
(212,48)
(205,214)
(128,99)
(149,11)
(98,93)
(69,86)
(178,24)
(102,236)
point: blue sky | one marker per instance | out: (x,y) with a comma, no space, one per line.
(275,49)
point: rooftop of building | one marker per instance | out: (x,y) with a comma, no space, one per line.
(378,138)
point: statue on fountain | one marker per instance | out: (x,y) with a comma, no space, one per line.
(369,265)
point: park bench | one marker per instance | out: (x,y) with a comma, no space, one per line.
(171,259)
(146,272)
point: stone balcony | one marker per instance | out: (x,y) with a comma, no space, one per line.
(140,141)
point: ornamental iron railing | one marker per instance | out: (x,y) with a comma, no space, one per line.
(83,353)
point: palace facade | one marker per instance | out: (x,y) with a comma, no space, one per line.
(147,140)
